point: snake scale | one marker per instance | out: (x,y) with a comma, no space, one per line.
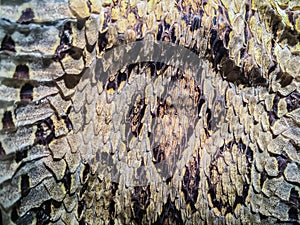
(152,142)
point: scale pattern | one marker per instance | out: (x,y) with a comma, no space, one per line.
(65,128)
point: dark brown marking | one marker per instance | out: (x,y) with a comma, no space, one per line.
(7,120)
(14,214)
(195,24)
(68,122)
(172,35)
(170,215)
(293,101)
(111,85)
(43,213)
(191,181)
(71,81)
(65,42)
(8,44)
(67,180)
(121,77)
(21,72)
(112,203)
(283,161)
(136,114)
(2,152)
(45,136)
(80,208)
(263,178)
(141,200)
(24,185)
(1,217)
(295,198)
(284,78)
(26,17)
(293,214)
(82,221)
(21,154)
(81,23)
(26,93)
(159,32)
(102,41)
(158,154)
(85,173)
(273,112)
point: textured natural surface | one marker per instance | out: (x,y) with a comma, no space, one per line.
(232,124)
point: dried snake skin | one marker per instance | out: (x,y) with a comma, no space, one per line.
(88,138)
